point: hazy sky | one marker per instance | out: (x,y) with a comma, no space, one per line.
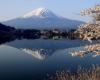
(10,9)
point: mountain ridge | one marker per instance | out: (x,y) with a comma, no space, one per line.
(42,18)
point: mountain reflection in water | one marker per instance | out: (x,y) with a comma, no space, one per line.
(40,54)
(34,59)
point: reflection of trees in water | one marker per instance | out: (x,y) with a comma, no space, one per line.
(8,38)
(89,49)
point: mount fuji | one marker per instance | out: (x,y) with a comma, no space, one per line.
(42,18)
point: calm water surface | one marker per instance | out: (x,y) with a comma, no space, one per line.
(16,64)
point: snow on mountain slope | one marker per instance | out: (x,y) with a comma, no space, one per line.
(42,18)
(40,54)
(40,12)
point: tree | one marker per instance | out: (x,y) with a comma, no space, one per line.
(90,31)
(94,12)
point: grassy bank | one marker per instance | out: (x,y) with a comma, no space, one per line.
(82,74)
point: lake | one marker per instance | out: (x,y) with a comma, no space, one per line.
(38,59)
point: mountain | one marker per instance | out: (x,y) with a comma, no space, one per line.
(5,28)
(6,33)
(42,18)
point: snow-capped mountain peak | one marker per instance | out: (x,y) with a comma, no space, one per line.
(39,12)
(42,18)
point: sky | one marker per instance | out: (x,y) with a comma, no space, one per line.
(10,9)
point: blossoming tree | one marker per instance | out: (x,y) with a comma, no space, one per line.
(90,31)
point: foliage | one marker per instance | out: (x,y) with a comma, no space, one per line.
(90,31)
(82,74)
